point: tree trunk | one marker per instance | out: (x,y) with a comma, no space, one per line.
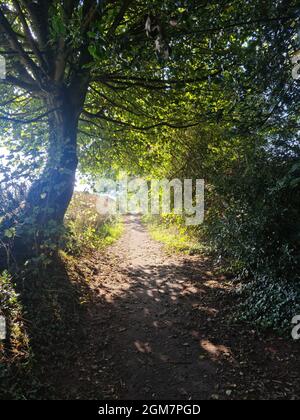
(49,197)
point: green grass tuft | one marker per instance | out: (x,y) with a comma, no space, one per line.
(175,236)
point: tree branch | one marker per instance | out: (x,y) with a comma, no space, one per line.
(29,37)
(13,41)
(119,18)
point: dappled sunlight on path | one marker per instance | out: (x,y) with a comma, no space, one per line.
(158,326)
(157,342)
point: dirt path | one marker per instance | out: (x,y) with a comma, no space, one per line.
(159,328)
(159,356)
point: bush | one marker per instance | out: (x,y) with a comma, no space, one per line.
(8,296)
(269,302)
(258,231)
(12,195)
(15,354)
(11,309)
(86,229)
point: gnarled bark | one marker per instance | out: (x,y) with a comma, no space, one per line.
(50,195)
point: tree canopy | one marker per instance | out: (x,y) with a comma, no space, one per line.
(152,87)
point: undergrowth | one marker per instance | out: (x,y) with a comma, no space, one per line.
(172,232)
(87,230)
(42,302)
(266,302)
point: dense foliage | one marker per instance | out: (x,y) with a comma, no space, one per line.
(246,147)
(161,89)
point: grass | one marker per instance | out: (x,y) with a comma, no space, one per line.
(174,235)
(87,229)
(110,232)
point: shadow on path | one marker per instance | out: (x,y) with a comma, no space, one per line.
(136,323)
